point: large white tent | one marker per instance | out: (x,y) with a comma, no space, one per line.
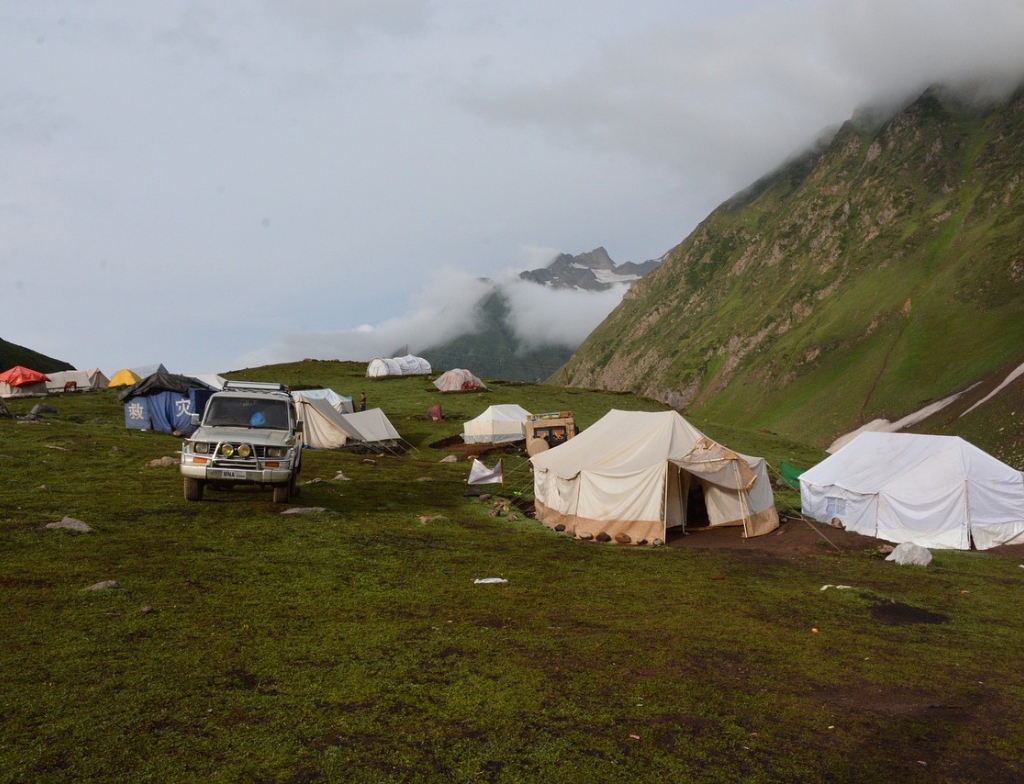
(340,403)
(933,491)
(631,473)
(500,424)
(408,365)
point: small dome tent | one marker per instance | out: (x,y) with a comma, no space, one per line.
(458,380)
(124,378)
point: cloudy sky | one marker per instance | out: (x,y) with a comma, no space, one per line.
(215,185)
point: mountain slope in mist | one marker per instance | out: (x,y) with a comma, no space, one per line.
(863,280)
(523,331)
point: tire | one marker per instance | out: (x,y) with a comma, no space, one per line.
(282,492)
(194,489)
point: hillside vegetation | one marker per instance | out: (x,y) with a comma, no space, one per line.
(861,281)
(12,354)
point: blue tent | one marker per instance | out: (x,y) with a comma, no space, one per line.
(164,402)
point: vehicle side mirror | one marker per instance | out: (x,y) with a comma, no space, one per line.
(298,425)
(194,419)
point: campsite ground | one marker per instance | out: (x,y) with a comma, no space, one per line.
(351,641)
(796,537)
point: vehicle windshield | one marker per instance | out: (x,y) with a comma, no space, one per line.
(247,412)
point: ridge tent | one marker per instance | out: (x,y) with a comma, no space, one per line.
(124,378)
(458,380)
(340,403)
(397,366)
(84,380)
(933,491)
(149,370)
(20,381)
(631,474)
(499,424)
(323,426)
(373,426)
(164,402)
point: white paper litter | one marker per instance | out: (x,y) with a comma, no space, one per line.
(490,580)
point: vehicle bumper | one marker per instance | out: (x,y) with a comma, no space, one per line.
(265,476)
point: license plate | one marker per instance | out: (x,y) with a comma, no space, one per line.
(232,474)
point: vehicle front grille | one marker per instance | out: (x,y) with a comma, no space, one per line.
(251,462)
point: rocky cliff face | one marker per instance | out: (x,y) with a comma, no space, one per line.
(864,279)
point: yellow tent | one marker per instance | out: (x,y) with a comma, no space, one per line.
(124,378)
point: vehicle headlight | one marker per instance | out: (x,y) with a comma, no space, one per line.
(276,451)
(244,450)
(201,448)
(227,450)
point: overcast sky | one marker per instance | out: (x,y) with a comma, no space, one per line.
(215,185)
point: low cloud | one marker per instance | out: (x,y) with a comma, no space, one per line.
(539,315)
(439,313)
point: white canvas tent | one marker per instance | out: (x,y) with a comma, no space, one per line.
(397,366)
(933,491)
(500,424)
(84,380)
(340,403)
(632,471)
(323,427)
(373,426)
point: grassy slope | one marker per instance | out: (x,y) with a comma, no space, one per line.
(862,283)
(353,645)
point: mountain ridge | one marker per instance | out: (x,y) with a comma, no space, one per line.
(837,289)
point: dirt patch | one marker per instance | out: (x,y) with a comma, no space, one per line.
(795,537)
(457,445)
(895,613)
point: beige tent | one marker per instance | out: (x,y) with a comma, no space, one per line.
(373,426)
(497,425)
(323,427)
(632,472)
(83,380)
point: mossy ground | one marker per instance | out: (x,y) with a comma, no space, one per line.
(352,644)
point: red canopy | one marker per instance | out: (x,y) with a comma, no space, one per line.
(18,376)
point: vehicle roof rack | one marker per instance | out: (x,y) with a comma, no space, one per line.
(256,386)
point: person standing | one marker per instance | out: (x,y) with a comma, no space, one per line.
(362,401)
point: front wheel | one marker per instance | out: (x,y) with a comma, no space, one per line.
(282,492)
(194,489)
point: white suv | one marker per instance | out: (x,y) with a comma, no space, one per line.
(249,434)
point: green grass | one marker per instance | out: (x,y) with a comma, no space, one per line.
(353,645)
